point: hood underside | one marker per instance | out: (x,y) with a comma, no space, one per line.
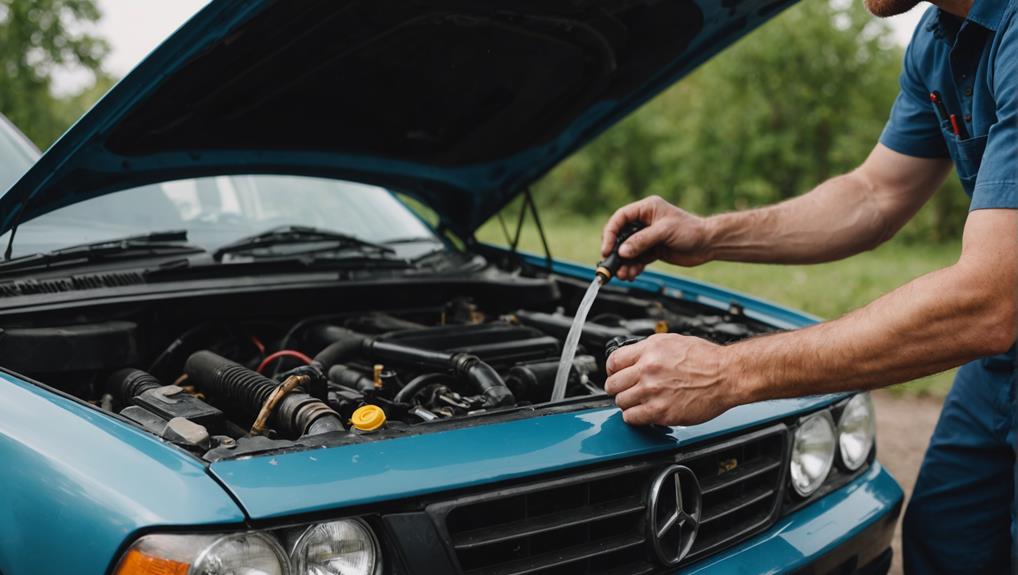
(459,104)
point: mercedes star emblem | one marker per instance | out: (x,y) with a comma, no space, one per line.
(673,514)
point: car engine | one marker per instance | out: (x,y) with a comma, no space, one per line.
(227,386)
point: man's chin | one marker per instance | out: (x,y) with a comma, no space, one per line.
(888,8)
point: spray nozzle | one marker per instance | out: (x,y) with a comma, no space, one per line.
(609,266)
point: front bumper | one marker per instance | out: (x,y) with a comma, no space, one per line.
(848,531)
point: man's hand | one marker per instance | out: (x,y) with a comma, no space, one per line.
(670,379)
(671,235)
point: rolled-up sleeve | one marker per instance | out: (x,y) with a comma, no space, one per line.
(913,128)
(997,183)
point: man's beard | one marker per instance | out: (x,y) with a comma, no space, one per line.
(888,8)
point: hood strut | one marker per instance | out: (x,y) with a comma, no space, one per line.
(14,230)
(514,240)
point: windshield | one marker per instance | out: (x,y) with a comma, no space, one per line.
(220,210)
(16,155)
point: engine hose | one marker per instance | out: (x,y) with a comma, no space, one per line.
(344,345)
(380,323)
(245,392)
(288,385)
(485,379)
(417,384)
(410,356)
(481,376)
(351,378)
(130,382)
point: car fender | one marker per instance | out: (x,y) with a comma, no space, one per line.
(77,484)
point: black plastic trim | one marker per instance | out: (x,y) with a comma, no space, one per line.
(440,509)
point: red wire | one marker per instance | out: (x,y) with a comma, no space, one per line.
(258,343)
(283,353)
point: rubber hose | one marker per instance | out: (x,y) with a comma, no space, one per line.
(130,382)
(380,323)
(410,356)
(486,380)
(345,344)
(245,391)
(417,384)
(350,378)
(480,375)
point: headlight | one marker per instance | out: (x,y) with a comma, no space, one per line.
(812,452)
(342,547)
(857,430)
(247,553)
(345,547)
(242,554)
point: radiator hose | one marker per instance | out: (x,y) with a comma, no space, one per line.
(244,392)
(481,376)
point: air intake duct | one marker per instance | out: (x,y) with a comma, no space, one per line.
(130,382)
(242,393)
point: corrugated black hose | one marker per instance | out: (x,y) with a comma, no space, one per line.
(243,392)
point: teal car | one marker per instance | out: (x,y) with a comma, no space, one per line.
(229,343)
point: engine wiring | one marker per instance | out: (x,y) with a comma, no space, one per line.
(292,353)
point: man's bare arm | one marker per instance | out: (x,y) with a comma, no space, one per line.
(841,217)
(940,320)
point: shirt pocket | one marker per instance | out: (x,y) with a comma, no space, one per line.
(967,154)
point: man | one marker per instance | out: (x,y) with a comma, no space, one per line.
(958,104)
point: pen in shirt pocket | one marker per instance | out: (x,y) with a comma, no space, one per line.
(956,126)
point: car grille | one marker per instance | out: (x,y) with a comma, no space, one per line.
(594,521)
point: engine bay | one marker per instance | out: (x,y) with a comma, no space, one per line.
(241,375)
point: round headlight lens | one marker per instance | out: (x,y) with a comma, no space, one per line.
(812,452)
(242,554)
(345,547)
(857,430)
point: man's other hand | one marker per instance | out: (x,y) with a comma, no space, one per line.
(672,235)
(670,379)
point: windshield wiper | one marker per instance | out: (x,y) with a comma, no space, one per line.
(317,240)
(413,240)
(155,244)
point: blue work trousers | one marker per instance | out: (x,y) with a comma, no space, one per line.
(961,517)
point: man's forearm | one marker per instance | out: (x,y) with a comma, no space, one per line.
(837,219)
(843,216)
(936,322)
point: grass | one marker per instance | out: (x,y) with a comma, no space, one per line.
(827,290)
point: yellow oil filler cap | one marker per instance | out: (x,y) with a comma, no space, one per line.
(367,418)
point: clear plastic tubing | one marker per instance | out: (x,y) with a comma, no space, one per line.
(573,339)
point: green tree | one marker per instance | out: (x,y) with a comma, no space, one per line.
(37,38)
(799,100)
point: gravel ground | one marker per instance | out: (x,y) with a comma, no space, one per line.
(904,426)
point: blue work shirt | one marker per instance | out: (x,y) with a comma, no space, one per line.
(973,65)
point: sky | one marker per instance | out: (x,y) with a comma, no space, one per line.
(135,27)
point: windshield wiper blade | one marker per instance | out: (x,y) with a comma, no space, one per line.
(322,240)
(413,240)
(163,243)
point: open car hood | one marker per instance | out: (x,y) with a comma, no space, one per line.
(458,103)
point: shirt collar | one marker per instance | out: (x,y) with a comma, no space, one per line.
(988,13)
(985,13)
(944,27)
